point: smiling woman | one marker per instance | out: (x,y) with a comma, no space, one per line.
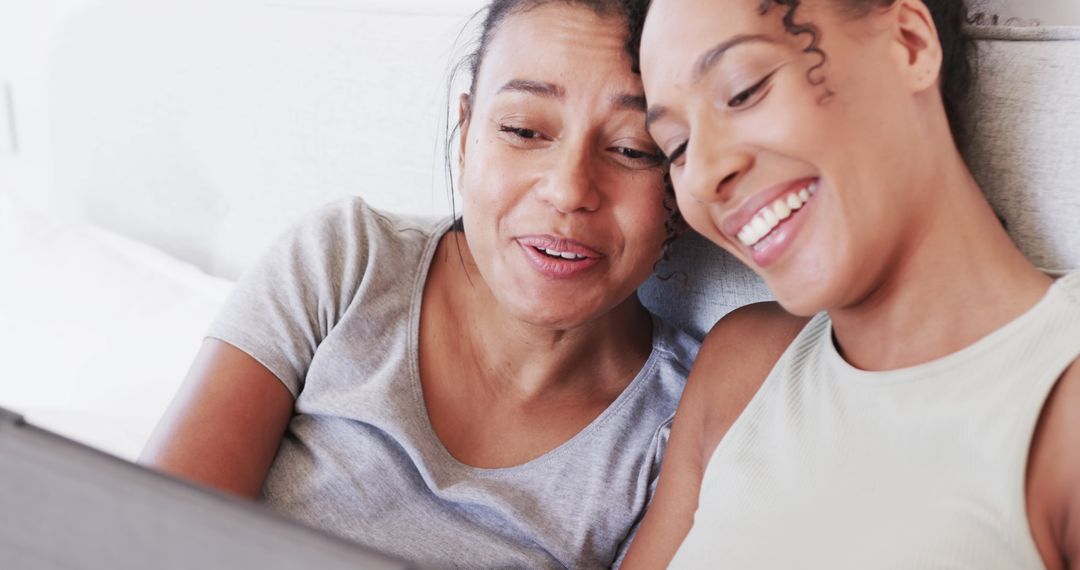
(920,418)
(486,392)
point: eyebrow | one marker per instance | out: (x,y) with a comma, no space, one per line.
(539,88)
(712,57)
(704,63)
(630,102)
(622,101)
(655,113)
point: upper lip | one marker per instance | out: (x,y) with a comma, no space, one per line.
(737,220)
(560,244)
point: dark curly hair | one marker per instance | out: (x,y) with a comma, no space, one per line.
(950,17)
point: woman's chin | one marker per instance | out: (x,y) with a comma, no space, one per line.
(551,314)
(798,297)
(562,314)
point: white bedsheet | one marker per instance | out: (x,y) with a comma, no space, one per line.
(96,330)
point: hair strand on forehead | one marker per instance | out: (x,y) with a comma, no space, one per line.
(491,18)
(950,18)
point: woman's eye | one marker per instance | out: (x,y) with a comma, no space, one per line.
(519,132)
(635,154)
(744,96)
(638,157)
(675,158)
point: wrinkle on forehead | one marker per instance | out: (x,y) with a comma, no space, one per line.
(555,42)
(567,23)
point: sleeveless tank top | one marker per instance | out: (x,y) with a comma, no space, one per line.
(917,468)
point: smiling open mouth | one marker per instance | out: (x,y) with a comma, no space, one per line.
(771,216)
(560,254)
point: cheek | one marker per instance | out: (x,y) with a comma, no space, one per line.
(797,123)
(646,216)
(633,220)
(698,217)
(832,125)
(491,180)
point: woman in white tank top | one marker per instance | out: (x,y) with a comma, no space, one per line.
(928,416)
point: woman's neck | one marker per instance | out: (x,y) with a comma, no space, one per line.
(530,362)
(958,278)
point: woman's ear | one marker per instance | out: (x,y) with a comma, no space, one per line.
(464,115)
(917,39)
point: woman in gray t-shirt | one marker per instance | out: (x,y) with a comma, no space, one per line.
(483,394)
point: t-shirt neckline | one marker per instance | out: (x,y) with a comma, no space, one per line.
(447,458)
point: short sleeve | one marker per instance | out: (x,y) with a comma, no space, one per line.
(657,449)
(289,301)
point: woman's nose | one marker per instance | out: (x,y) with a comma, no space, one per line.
(712,172)
(570,185)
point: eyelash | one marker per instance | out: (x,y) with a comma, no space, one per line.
(638,156)
(735,102)
(745,95)
(642,157)
(676,154)
(527,134)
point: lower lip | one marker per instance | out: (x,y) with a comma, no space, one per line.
(557,268)
(768,250)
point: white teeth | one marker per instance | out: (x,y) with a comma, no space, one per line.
(770,216)
(562,254)
(760,226)
(746,236)
(781,209)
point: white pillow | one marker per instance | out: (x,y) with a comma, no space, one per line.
(96,331)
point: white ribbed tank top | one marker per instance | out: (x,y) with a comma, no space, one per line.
(831,467)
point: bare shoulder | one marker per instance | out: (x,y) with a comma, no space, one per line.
(742,348)
(1053,486)
(763,328)
(736,357)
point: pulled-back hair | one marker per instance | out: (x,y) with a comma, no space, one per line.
(498,10)
(494,14)
(491,18)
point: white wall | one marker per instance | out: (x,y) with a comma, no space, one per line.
(27,30)
(200,127)
(204,127)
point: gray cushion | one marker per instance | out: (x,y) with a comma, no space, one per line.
(1025,117)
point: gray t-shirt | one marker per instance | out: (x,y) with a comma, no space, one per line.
(333,311)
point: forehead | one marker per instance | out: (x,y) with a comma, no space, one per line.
(561,43)
(677,32)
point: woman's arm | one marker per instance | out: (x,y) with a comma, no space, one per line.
(734,360)
(1053,476)
(224,426)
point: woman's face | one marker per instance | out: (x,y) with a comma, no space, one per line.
(562,185)
(812,184)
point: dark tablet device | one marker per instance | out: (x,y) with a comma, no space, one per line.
(64,505)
